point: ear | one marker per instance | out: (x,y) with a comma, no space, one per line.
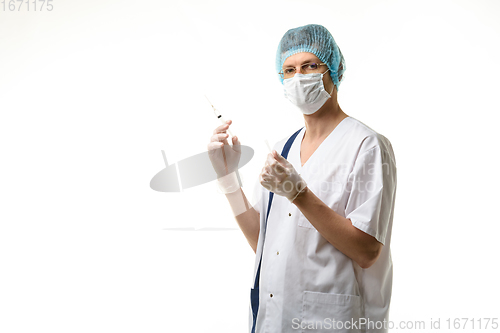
(341,67)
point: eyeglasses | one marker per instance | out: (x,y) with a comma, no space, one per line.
(310,67)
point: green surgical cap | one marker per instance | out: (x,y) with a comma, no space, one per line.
(316,39)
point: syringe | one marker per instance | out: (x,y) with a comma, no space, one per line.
(223,152)
(218,115)
(268,147)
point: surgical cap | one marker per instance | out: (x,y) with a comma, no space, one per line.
(316,39)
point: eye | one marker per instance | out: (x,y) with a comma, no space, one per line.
(309,67)
(288,70)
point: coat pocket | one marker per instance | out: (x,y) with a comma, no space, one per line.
(325,312)
(304,222)
(329,198)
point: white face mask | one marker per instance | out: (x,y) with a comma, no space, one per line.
(306,91)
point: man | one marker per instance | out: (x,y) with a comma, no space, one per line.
(321,227)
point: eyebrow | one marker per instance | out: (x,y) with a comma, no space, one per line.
(305,62)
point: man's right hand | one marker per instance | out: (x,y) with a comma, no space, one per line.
(224,158)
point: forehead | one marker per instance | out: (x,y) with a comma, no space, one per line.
(300,58)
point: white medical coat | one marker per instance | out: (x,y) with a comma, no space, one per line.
(304,279)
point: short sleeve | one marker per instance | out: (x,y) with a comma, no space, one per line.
(372,187)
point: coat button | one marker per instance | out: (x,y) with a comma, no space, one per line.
(289,214)
(271,295)
(277,253)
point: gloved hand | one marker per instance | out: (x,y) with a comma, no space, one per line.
(279,176)
(225,158)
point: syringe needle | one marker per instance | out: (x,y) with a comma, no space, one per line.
(219,116)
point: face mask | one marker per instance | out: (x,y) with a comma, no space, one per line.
(306,91)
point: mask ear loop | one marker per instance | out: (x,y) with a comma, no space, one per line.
(332,80)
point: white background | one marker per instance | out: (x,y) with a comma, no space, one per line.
(92,91)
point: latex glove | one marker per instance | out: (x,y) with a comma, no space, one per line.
(225,158)
(279,176)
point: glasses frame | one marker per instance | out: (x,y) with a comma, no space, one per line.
(282,74)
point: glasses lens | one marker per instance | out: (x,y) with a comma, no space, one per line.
(310,68)
(288,72)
